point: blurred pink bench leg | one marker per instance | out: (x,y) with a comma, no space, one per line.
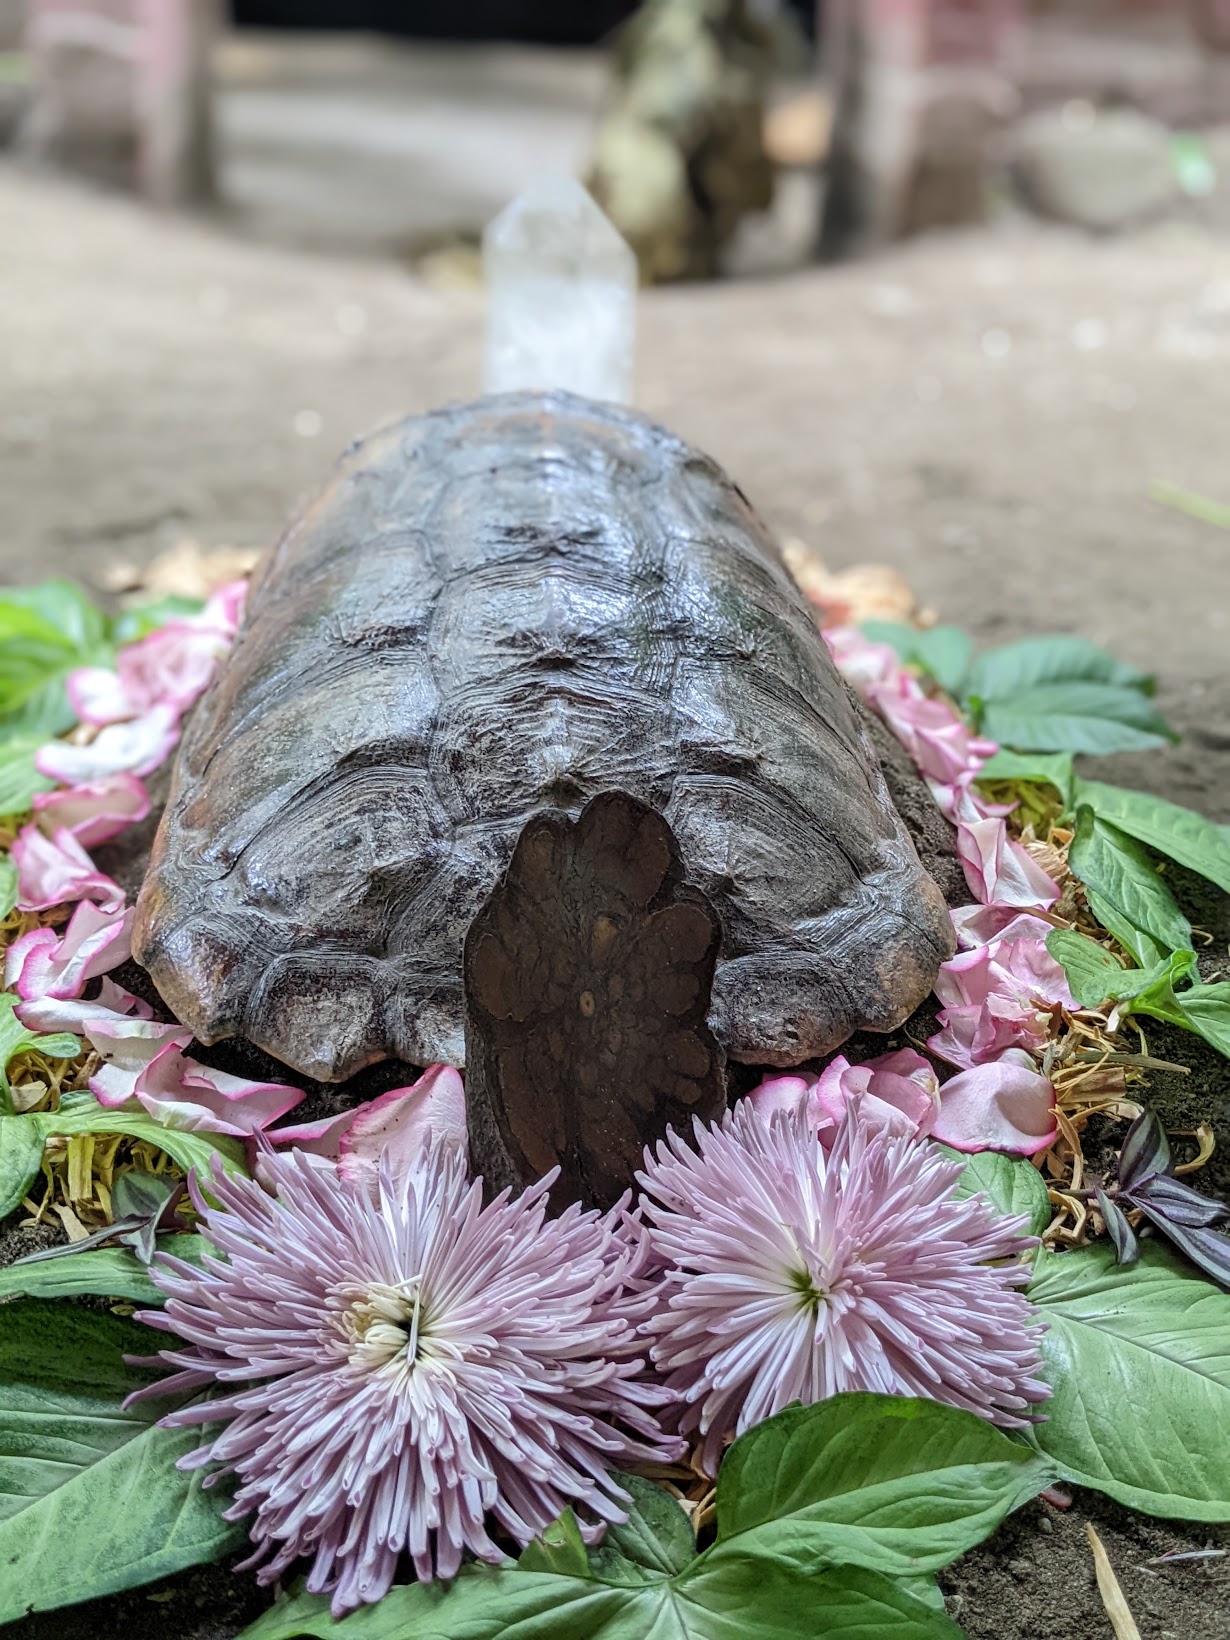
(122,92)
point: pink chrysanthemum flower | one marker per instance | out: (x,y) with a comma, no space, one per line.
(396,1364)
(789,1275)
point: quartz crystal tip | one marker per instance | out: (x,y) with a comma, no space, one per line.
(561,295)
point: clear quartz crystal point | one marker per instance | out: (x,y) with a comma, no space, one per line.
(561,295)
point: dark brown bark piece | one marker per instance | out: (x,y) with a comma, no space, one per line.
(587,981)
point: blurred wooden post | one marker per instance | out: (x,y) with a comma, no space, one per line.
(920,87)
(175,151)
(122,92)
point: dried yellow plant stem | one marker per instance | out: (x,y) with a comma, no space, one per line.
(1121,1619)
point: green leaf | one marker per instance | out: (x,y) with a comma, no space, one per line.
(1013,1184)
(559,1550)
(896,1485)
(15,1039)
(722,1596)
(1061,694)
(925,1589)
(1151,990)
(83,1114)
(1195,505)
(1140,1363)
(1125,892)
(143,619)
(45,633)
(21,1158)
(8,885)
(657,1535)
(90,1499)
(1180,833)
(19,779)
(1091,971)
(1206,1010)
(108,1272)
(64,606)
(22,1139)
(943,652)
(1094,976)
(1076,716)
(1043,768)
(1004,673)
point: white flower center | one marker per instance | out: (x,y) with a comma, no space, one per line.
(384,1326)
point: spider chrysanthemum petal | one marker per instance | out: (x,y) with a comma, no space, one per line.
(396,1369)
(791,1275)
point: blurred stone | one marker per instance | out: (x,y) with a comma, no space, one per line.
(561,296)
(1101,173)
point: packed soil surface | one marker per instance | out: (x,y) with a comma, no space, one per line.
(985,412)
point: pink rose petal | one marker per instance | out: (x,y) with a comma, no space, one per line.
(138,748)
(44,964)
(63,1014)
(224,610)
(777,1094)
(944,749)
(999,870)
(980,924)
(56,871)
(321,1138)
(171,666)
(1020,970)
(1005,1106)
(861,662)
(399,1124)
(180,1093)
(97,696)
(94,813)
(128,1048)
(896,1091)
(961,800)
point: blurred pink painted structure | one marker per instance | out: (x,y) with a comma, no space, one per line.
(122,91)
(920,88)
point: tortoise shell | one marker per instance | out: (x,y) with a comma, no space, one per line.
(493,610)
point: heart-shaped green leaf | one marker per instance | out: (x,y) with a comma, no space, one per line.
(1040,768)
(1179,833)
(21,1157)
(108,1272)
(724,1595)
(1140,1363)
(899,1486)
(941,651)
(1126,893)
(1096,718)
(1012,1184)
(90,1499)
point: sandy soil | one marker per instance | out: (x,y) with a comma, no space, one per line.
(987,413)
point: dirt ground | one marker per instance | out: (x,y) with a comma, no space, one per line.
(986,412)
